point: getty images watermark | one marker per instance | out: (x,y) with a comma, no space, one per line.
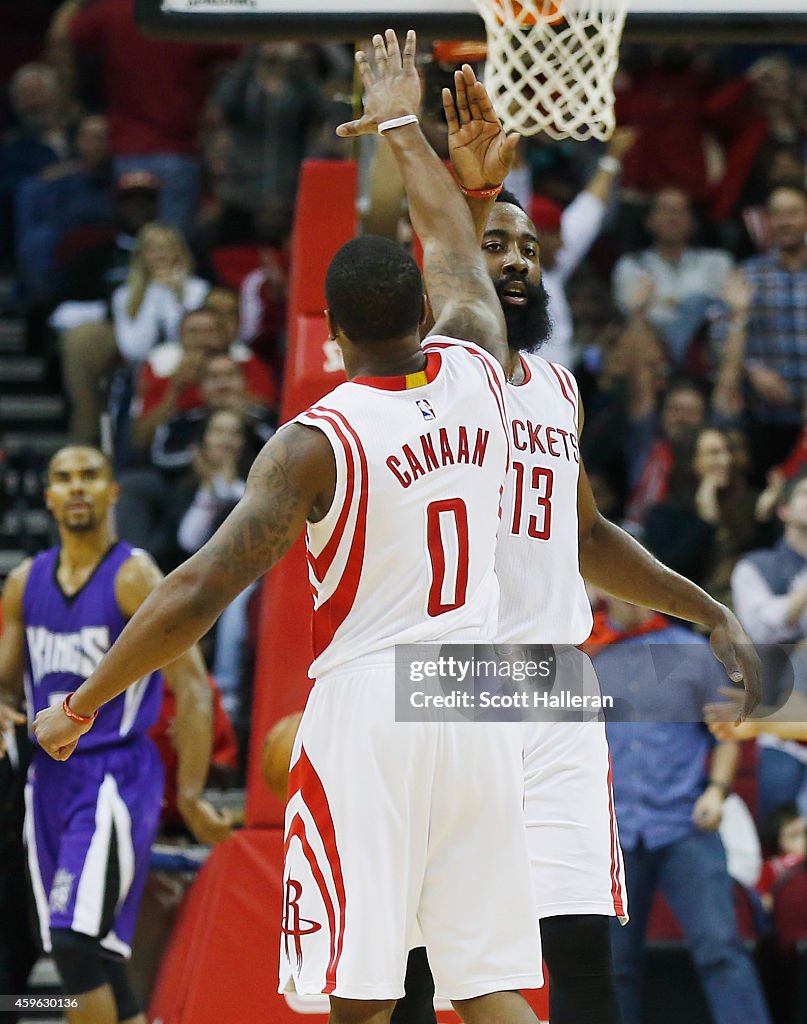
(494,683)
(635,681)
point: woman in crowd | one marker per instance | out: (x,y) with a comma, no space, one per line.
(707,520)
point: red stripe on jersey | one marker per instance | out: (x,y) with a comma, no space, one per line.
(564,387)
(303,778)
(616,883)
(322,562)
(494,383)
(330,615)
(572,387)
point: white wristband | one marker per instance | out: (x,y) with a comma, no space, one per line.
(397,122)
(609,164)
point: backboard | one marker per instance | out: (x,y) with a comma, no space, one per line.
(738,20)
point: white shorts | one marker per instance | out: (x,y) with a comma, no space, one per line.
(572,833)
(394,828)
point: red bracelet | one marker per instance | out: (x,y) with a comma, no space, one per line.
(74,716)
(482,193)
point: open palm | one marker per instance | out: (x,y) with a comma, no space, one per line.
(482,153)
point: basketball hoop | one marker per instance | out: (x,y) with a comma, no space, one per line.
(551,64)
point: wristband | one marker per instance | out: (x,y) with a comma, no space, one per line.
(397,122)
(609,164)
(74,716)
(482,193)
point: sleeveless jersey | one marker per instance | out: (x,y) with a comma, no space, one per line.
(406,552)
(543,598)
(65,639)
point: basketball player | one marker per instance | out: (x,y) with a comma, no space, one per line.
(90,824)
(397,474)
(553,540)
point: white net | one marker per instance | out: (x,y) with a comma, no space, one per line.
(551,64)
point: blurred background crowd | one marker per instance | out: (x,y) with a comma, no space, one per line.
(147,194)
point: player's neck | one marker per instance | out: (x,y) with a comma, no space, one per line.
(515,368)
(671,251)
(394,359)
(80,551)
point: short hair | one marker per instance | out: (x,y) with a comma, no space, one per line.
(506,196)
(374,290)
(786,186)
(105,459)
(189,314)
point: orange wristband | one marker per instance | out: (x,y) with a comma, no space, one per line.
(482,193)
(74,716)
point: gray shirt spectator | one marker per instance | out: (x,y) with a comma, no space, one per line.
(673,281)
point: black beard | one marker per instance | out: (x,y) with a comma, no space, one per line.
(528,326)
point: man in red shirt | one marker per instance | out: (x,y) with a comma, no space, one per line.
(154,91)
(169,381)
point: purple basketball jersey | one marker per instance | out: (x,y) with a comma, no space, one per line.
(65,639)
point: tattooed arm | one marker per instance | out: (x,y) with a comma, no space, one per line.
(463,300)
(292,480)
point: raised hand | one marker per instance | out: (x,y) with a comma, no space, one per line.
(391,89)
(482,153)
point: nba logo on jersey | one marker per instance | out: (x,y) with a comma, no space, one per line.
(426,410)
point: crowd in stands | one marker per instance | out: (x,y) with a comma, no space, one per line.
(147,194)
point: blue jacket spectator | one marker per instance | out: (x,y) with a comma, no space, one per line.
(668,808)
(65,197)
(38,141)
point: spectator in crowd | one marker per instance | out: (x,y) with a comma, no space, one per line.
(272,109)
(671,151)
(784,836)
(650,436)
(769,590)
(146,309)
(672,282)
(707,518)
(263,303)
(565,236)
(154,91)
(65,197)
(668,808)
(169,380)
(39,140)
(216,485)
(223,386)
(765,341)
(785,166)
(147,491)
(753,116)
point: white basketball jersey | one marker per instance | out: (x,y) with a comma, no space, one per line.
(406,552)
(543,598)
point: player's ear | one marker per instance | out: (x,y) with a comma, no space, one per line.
(114,492)
(425,311)
(332,328)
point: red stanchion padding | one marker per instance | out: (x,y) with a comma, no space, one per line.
(221,966)
(325,219)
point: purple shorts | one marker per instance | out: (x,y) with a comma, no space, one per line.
(89,826)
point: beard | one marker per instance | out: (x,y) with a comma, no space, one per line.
(528,326)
